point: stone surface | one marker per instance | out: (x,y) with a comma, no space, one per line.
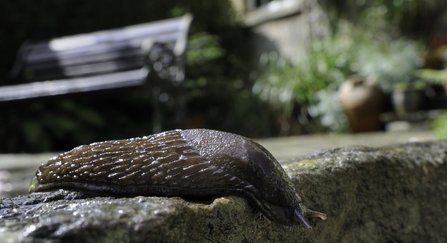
(388,194)
(16,170)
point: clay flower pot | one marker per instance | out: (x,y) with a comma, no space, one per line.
(362,103)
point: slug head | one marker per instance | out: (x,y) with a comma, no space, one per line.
(279,197)
(300,210)
(258,175)
(298,217)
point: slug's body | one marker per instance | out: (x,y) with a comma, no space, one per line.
(196,162)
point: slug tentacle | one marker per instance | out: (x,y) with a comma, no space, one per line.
(196,162)
(315,214)
(299,217)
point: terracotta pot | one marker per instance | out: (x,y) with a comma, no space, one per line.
(362,103)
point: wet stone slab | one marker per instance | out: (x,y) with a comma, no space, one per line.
(16,170)
(389,194)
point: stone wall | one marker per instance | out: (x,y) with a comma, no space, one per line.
(285,31)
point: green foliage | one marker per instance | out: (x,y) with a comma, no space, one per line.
(328,111)
(326,66)
(204,55)
(388,60)
(438,76)
(439,126)
(218,96)
(44,122)
(411,17)
(312,81)
(203,47)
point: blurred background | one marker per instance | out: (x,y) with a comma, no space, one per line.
(259,68)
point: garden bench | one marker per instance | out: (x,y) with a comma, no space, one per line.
(100,60)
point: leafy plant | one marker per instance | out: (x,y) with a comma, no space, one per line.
(439,126)
(37,126)
(329,111)
(389,61)
(439,76)
(220,98)
(312,80)
(413,17)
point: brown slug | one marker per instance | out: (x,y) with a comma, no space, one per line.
(196,162)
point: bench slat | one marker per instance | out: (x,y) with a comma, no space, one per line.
(86,69)
(58,87)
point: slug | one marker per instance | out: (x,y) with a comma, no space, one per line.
(189,163)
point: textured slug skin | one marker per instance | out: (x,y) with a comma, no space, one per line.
(196,162)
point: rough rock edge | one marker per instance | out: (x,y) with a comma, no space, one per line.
(390,194)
